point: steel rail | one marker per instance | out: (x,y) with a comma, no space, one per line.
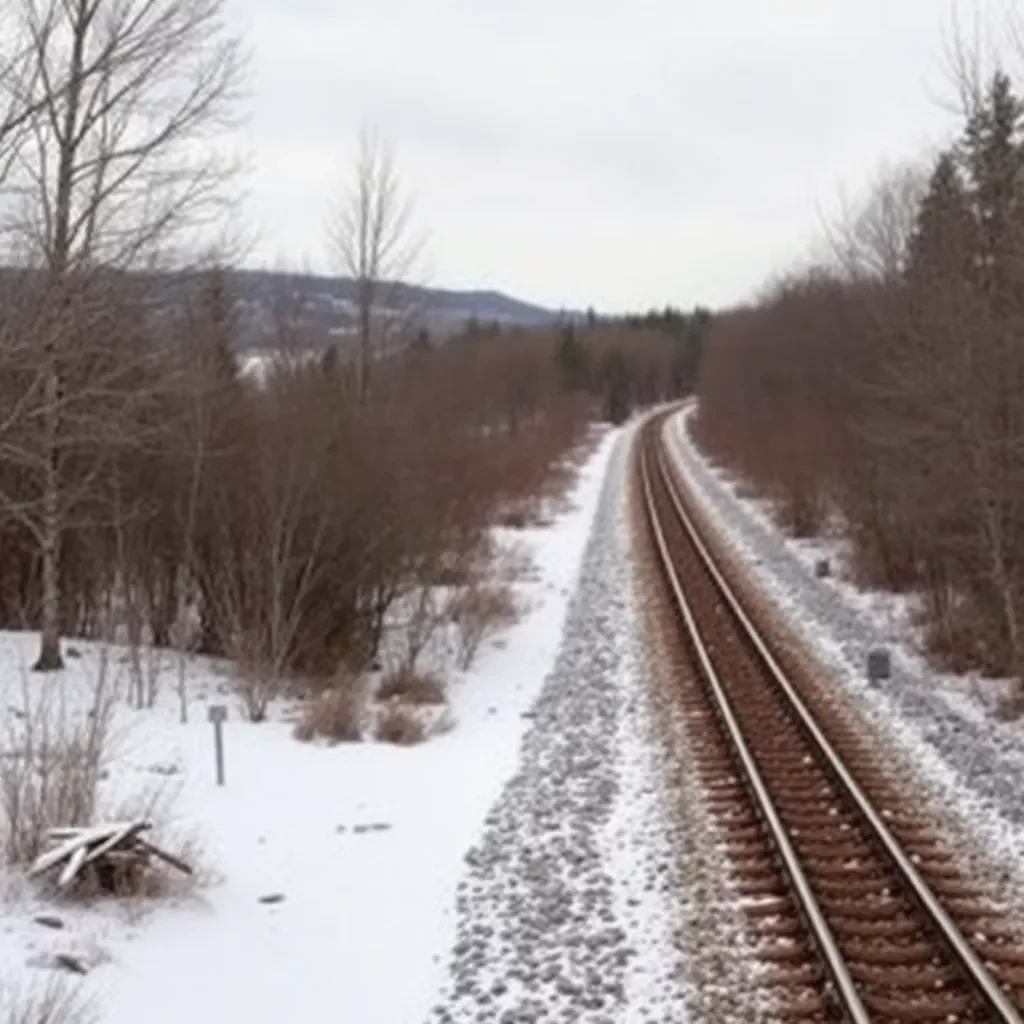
(825,941)
(979,976)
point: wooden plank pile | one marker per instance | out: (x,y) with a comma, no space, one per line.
(112,856)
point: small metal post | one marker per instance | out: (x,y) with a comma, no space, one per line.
(879,664)
(218,713)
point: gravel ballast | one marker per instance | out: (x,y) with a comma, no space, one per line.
(541,932)
(596,893)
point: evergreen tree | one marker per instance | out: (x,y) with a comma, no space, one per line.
(213,324)
(572,360)
(615,386)
(943,242)
(993,160)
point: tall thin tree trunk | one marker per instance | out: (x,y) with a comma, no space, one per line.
(50,659)
(49,650)
(366,298)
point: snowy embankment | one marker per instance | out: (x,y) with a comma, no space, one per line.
(340,882)
(972,762)
(569,910)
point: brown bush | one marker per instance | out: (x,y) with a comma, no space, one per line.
(335,715)
(889,380)
(410,686)
(273,518)
(517,517)
(478,612)
(399,724)
(959,637)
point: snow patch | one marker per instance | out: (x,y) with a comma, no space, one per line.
(338,866)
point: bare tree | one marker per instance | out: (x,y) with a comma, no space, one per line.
(114,165)
(272,557)
(375,242)
(872,239)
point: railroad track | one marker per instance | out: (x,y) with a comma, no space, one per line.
(857,910)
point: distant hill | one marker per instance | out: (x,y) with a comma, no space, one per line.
(322,310)
(326,305)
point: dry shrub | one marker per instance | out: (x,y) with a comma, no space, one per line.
(562,476)
(959,638)
(478,613)
(51,763)
(415,636)
(55,1001)
(517,516)
(512,565)
(800,510)
(401,725)
(255,681)
(335,715)
(137,877)
(409,686)
(1010,707)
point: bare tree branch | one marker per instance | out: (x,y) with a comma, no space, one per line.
(373,236)
(116,161)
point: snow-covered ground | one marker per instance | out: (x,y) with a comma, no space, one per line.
(938,724)
(570,911)
(510,863)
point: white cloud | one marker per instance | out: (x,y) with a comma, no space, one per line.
(588,152)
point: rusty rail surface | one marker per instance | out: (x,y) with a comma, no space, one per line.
(847,920)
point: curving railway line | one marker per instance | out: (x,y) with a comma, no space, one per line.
(858,912)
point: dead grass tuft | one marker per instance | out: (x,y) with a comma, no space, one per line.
(55,1001)
(956,637)
(52,754)
(401,725)
(518,515)
(336,715)
(409,686)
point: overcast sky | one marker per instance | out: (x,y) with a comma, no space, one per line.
(590,152)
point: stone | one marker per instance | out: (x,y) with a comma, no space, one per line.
(879,664)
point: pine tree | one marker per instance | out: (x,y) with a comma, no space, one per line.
(213,326)
(615,386)
(944,240)
(571,360)
(992,156)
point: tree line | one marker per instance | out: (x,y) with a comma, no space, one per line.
(632,361)
(154,491)
(881,392)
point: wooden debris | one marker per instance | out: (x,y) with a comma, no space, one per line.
(67,962)
(112,851)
